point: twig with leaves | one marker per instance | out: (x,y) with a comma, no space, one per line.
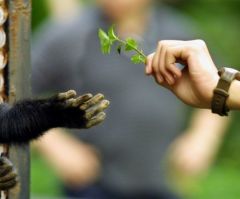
(108,39)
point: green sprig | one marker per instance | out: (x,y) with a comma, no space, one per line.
(108,39)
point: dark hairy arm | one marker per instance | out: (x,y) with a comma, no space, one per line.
(29,119)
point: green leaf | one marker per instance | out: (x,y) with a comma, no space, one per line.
(119,49)
(102,35)
(111,33)
(106,49)
(104,41)
(107,39)
(138,59)
(131,44)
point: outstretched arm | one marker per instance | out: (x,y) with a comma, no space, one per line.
(194,151)
(29,119)
(195,84)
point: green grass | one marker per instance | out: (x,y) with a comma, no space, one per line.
(43,179)
(223,182)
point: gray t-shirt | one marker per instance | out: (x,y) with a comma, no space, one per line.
(143,118)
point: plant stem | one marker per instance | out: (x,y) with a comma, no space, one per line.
(137,50)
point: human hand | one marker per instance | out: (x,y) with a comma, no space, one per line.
(194,85)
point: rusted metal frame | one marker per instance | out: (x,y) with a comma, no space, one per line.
(3,64)
(16,76)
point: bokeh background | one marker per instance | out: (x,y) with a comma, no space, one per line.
(219,23)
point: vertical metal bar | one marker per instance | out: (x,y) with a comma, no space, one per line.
(19,36)
(3,63)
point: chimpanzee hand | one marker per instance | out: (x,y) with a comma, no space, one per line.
(8,175)
(71,111)
(29,119)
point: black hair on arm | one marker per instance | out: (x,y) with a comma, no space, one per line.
(29,119)
(25,121)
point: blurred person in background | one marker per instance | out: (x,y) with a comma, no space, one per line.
(125,158)
(63,10)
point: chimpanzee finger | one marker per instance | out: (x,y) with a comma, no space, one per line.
(93,101)
(99,118)
(8,185)
(75,102)
(1,160)
(66,95)
(8,177)
(4,160)
(82,99)
(92,111)
(4,169)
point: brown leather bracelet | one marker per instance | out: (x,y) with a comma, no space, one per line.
(227,75)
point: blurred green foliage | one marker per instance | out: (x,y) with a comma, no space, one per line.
(44,180)
(39,12)
(218,21)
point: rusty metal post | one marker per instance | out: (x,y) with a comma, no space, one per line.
(17,82)
(3,63)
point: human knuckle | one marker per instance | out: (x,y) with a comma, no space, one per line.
(168,52)
(160,43)
(163,42)
(200,43)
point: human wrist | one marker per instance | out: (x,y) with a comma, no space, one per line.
(233,101)
(210,92)
(220,104)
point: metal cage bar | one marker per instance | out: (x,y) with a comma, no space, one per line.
(3,63)
(17,82)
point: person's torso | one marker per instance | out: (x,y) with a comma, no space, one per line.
(143,118)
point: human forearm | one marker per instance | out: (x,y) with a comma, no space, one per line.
(208,126)
(233,101)
(195,150)
(75,162)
